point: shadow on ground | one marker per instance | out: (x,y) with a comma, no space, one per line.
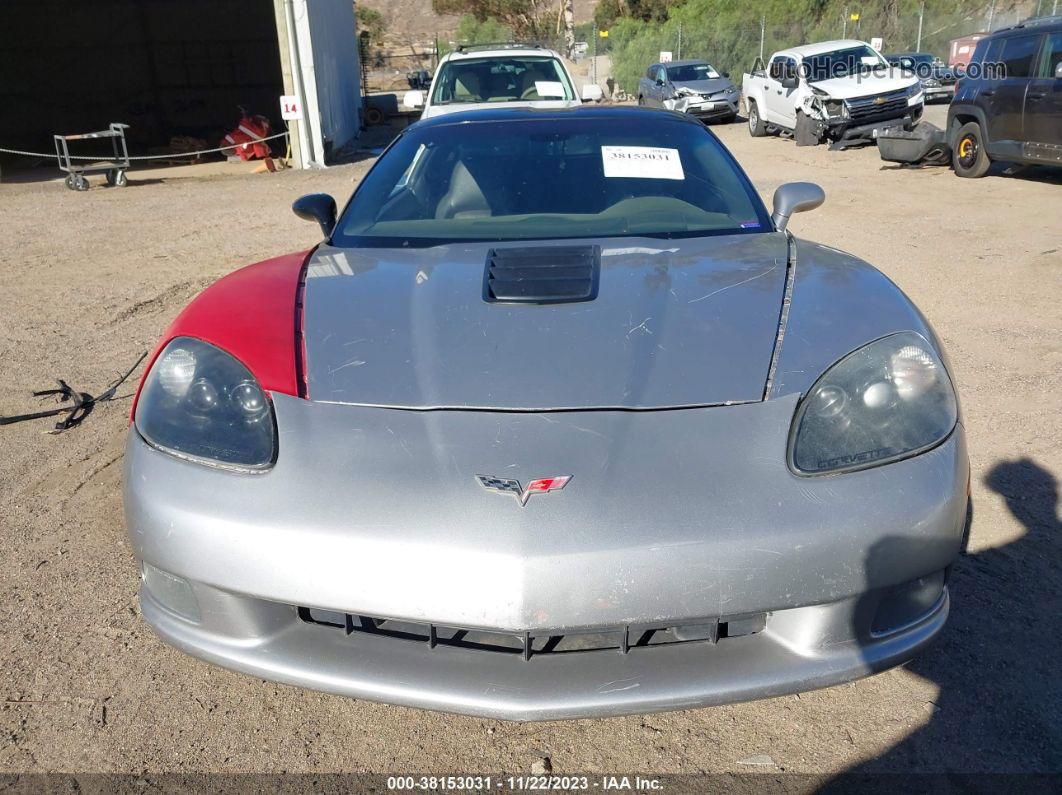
(997,662)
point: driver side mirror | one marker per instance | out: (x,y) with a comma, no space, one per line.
(795,197)
(1058,71)
(726,75)
(659,82)
(319,207)
(413,100)
(790,82)
(592,93)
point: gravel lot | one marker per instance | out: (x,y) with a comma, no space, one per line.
(91,279)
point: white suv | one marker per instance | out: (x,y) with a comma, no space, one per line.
(479,76)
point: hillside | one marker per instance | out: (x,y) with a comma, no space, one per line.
(414,19)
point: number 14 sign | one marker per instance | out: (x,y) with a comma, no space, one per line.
(290,110)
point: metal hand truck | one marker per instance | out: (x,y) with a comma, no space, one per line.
(115,167)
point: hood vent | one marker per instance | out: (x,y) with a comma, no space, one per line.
(542,274)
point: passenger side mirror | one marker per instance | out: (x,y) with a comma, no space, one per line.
(413,100)
(319,207)
(795,197)
(790,82)
(592,93)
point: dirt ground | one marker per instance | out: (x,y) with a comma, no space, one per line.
(90,280)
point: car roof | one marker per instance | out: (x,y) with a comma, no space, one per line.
(1046,24)
(612,113)
(807,50)
(687,62)
(502,52)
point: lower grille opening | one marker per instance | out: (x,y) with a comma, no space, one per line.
(539,642)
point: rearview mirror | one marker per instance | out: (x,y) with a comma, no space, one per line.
(413,100)
(592,93)
(795,197)
(319,207)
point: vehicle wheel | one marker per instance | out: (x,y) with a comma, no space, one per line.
(80,183)
(969,158)
(757,129)
(374,116)
(112,176)
(71,182)
(120,179)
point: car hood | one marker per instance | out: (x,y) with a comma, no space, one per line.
(675,323)
(711,86)
(864,86)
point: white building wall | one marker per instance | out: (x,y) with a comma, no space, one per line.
(327,58)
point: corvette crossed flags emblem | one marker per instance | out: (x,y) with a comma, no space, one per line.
(513,487)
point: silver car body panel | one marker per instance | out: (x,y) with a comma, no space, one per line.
(676,323)
(671,514)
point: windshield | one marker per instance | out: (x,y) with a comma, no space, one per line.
(501,79)
(691,71)
(540,179)
(841,63)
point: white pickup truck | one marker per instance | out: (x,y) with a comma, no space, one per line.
(841,91)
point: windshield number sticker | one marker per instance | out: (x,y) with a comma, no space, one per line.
(642,162)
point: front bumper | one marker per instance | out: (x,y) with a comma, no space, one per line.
(802,649)
(708,110)
(377,512)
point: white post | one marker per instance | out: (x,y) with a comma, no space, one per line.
(844,30)
(763,28)
(921,13)
(680,41)
(991,15)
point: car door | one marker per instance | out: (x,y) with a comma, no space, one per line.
(1043,104)
(781,101)
(1003,98)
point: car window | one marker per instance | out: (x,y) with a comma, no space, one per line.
(1018,54)
(535,180)
(495,79)
(691,71)
(661,75)
(1052,60)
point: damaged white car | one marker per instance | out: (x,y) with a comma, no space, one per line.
(841,91)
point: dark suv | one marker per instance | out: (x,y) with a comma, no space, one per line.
(1012,112)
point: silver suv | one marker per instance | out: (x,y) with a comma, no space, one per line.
(489,75)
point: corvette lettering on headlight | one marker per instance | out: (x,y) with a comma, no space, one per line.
(888,400)
(200,403)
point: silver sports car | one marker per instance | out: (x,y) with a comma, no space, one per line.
(557,421)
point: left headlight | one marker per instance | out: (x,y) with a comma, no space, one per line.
(200,403)
(888,400)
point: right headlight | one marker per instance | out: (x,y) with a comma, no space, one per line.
(887,400)
(201,404)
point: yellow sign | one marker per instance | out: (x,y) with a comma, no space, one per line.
(854,17)
(603,34)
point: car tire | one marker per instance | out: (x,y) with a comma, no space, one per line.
(757,128)
(968,156)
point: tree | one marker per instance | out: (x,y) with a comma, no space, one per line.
(371,21)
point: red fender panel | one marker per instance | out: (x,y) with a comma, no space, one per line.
(254,314)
